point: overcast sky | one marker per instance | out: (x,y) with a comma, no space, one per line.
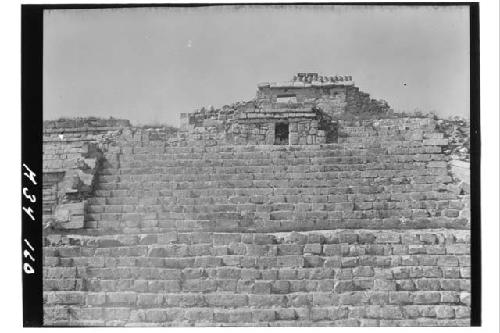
(150,64)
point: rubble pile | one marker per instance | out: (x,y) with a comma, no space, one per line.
(457,130)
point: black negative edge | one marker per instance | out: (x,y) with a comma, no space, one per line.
(243,4)
(475,167)
(31,155)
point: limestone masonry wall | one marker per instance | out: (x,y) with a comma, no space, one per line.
(309,105)
(149,227)
(72,154)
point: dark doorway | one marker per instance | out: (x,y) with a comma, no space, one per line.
(331,129)
(281,134)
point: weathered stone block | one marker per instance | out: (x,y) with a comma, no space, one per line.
(384,285)
(226,300)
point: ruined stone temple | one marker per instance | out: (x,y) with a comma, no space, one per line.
(310,205)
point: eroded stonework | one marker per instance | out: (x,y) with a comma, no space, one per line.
(308,105)
(263,213)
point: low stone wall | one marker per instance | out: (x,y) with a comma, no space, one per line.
(81,123)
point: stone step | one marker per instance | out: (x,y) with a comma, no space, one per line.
(344,170)
(370,177)
(362,236)
(375,142)
(273,169)
(166,222)
(266,310)
(337,156)
(207,213)
(351,153)
(266,262)
(434,139)
(173,188)
(413,192)
(412,133)
(242,281)
(161,147)
(156,213)
(275,189)
(266,204)
(422,191)
(249,200)
(149,299)
(370,170)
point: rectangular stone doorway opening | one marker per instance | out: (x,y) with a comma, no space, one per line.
(281,132)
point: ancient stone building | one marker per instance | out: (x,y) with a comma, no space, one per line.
(301,111)
(274,212)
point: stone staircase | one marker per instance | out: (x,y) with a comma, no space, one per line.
(256,188)
(370,231)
